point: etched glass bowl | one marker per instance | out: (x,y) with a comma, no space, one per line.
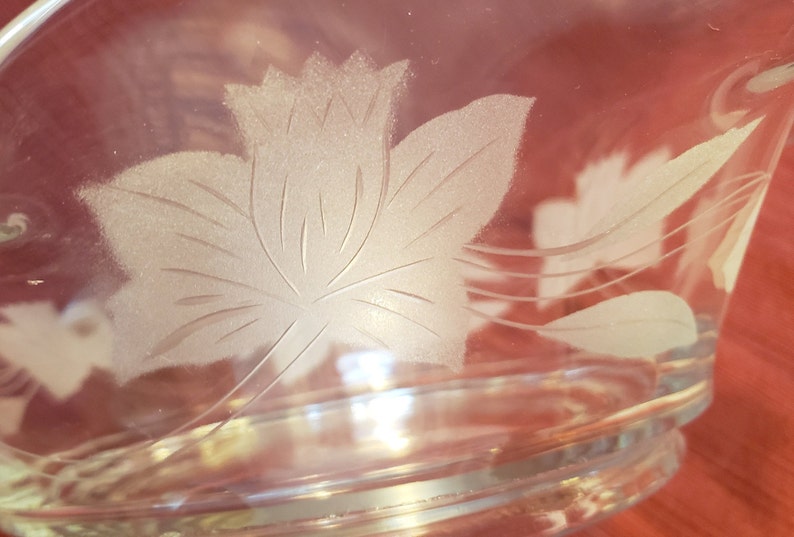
(369,267)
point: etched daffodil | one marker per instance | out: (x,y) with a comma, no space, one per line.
(325,231)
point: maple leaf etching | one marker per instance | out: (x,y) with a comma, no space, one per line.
(324,232)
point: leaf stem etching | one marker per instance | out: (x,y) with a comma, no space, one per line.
(227,281)
(170,203)
(208,244)
(612,282)
(282,215)
(197,299)
(258,232)
(441,222)
(181,333)
(245,406)
(220,197)
(410,176)
(237,330)
(354,212)
(237,387)
(370,279)
(384,184)
(451,175)
(397,314)
(753,178)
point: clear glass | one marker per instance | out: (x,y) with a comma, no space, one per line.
(369,267)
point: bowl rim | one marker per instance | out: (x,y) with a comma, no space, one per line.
(23,25)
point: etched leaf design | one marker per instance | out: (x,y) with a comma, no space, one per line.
(668,187)
(640,324)
(56,350)
(727,258)
(559,222)
(324,232)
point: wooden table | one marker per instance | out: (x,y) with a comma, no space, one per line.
(738,478)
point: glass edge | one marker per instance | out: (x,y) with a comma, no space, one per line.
(24,24)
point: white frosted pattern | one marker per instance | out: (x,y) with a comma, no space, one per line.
(57,350)
(323,233)
(669,186)
(326,233)
(727,259)
(640,324)
(560,222)
(771,79)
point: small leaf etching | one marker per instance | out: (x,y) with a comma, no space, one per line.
(669,186)
(640,324)
(56,350)
(560,222)
(324,232)
(726,261)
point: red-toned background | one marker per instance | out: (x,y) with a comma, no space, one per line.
(738,478)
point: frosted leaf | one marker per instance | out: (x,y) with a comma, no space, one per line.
(669,186)
(560,222)
(640,324)
(323,233)
(727,259)
(771,79)
(57,350)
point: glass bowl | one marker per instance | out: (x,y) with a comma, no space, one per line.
(369,267)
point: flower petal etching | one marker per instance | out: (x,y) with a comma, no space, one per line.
(324,232)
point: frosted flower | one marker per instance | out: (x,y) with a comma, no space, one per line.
(323,233)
